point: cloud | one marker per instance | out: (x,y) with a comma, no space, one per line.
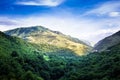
(50,3)
(7,22)
(114,14)
(110,9)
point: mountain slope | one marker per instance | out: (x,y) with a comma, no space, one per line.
(20,60)
(108,42)
(41,35)
(9,44)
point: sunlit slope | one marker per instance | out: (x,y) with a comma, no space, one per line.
(41,35)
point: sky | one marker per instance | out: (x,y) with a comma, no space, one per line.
(89,20)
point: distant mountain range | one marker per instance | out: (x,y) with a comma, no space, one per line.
(108,42)
(42,35)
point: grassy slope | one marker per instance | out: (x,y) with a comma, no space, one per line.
(43,35)
(9,44)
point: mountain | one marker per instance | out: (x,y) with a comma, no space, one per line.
(21,60)
(108,42)
(8,44)
(42,35)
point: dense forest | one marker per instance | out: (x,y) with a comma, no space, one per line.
(20,60)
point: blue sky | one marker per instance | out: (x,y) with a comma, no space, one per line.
(90,20)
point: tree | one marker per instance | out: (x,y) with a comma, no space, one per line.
(14,54)
(30,76)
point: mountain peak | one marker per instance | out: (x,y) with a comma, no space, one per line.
(40,28)
(26,30)
(33,28)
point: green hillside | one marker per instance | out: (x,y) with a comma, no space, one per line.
(14,55)
(21,60)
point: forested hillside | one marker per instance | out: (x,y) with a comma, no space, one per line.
(21,60)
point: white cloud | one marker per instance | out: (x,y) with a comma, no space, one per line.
(114,14)
(110,9)
(41,2)
(7,23)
